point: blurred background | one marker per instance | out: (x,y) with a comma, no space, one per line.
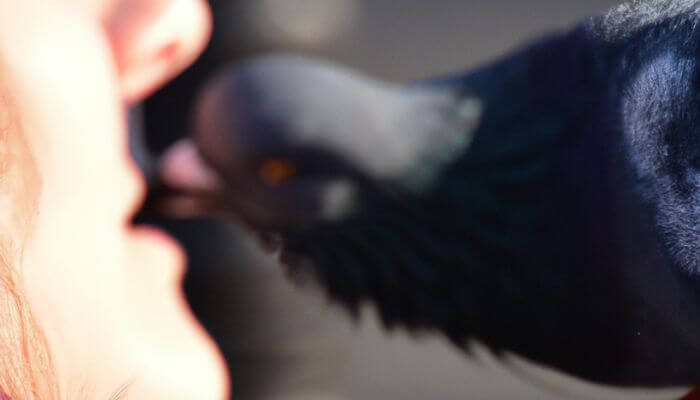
(284,340)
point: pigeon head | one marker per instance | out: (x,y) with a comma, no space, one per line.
(300,143)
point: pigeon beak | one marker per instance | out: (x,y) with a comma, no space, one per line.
(181,167)
(182,184)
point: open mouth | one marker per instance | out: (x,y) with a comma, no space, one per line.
(171,202)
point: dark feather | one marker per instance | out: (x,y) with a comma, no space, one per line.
(562,226)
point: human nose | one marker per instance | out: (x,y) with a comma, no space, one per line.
(154,40)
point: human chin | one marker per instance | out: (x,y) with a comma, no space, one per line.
(179,359)
(110,304)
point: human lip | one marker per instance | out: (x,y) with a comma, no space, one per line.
(158,249)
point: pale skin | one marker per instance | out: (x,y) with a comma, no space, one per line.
(105,295)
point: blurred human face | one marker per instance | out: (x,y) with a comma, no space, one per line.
(106,294)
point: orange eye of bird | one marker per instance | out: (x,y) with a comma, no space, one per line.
(274,172)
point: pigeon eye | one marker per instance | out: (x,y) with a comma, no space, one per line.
(274,171)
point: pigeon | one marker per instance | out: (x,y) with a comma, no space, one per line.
(546,204)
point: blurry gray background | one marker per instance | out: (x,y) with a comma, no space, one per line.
(284,340)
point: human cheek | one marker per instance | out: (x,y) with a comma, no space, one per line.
(153,40)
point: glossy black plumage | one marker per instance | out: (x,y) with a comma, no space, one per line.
(565,228)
